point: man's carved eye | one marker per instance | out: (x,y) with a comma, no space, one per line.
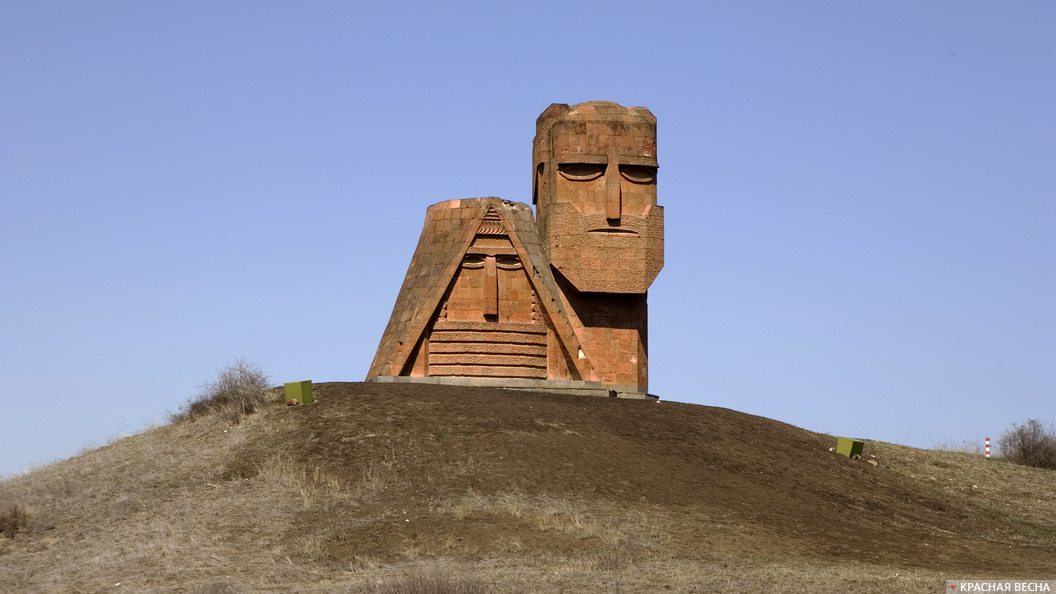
(472,261)
(638,174)
(580,171)
(508,262)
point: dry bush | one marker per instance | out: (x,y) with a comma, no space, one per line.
(239,389)
(435,581)
(1030,444)
(12,519)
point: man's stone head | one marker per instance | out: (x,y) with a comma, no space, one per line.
(594,187)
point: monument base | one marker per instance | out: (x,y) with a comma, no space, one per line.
(531,385)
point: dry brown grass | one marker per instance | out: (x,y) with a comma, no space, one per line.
(991,487)
(216,589)
(208,506)
(965,447)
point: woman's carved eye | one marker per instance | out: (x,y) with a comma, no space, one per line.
(638,174)
(580,171)
(472,261)
(508,262)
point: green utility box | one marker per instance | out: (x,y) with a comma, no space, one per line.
(844,445)
(302,392)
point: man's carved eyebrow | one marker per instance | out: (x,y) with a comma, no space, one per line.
(586,159)
(639,160)
(595,159)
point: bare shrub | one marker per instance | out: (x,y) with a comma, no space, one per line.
(1030,444)
(12,519)
(237,391)
(435,581)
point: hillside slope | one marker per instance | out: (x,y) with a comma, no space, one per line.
(374,475)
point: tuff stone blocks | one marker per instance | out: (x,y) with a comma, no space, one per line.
(493,292)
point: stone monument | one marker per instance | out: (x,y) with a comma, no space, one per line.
(557,302)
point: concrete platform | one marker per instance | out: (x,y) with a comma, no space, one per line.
(557,386)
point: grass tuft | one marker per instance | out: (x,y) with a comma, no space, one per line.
(435,581)
(215,589)
(237,391)
(12,519)
(613,557)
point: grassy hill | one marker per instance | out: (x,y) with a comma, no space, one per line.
(499,491)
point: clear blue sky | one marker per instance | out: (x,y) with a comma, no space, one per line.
(860,196)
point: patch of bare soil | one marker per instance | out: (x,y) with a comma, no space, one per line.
(478,472)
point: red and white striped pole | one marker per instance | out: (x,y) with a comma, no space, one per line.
(987,447)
